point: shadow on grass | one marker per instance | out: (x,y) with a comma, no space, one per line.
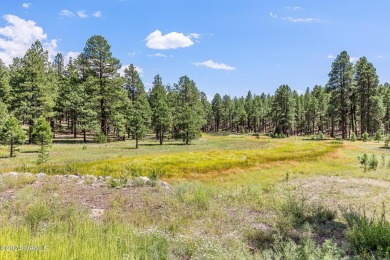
(28,151)
(325,139)
(175,144)
(70,141)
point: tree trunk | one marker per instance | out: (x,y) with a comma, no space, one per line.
(136,141)
(84,136)
(11,153)
(161,138)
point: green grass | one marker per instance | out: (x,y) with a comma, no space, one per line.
(228,199)
(207,156)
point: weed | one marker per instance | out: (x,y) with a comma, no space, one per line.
(368,235)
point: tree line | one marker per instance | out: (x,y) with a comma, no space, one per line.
(88,97)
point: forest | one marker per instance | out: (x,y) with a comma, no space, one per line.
(88,97)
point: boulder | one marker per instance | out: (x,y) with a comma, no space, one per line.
(40,175)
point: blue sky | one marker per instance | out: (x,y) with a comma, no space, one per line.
(225,46)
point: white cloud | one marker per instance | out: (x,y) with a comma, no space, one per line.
(159,55)
(195,35)
(18,35)
(353,59)
(26,5)
(97,14)
(331,56)
(214,65)
(66,12)
(295,8)
(82,14)
(172,40)
(301,20)
(132,54)
(71,54)
(380,57)
(273,15)
(138,69)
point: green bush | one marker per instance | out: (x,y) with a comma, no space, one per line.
(365,137)
(306,250)
(101,138)
(387,141)
(353,137)
(368,235)
(378,135)
(364,161)
(373,163)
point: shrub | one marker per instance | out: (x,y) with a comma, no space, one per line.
(364,161)
(101,138)
(368,235)
(387,141)
(306,250)
(378,135)
(373,163)
(353,137)
(365,137)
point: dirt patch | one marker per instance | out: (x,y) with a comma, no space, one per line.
(337,192)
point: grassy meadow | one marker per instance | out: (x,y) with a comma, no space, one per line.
(230,197)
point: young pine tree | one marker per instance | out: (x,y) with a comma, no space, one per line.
(12,134)
(43,136)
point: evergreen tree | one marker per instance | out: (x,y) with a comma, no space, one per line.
(3,114)
(371,112)
(208,113)
(190,114)
(12,134)
(216,106)
(104,68)
(33,87)
(283,110)
(340,85)
(43,136)
(161,114)
(5,88)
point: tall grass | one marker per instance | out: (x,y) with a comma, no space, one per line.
(180,164)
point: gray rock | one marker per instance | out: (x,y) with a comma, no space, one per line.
(91,178)
(100,178)
(146,180)
(96,213)
(40,175)
(164,184)
(74,177)
(12,174)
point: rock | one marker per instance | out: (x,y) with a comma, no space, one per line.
(100,178)
(164,184)
(26,174)
(91,178)
(12,174)
(40,175)
(96,213)
(146,180)
(73,177)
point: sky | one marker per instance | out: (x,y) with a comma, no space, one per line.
(225,46)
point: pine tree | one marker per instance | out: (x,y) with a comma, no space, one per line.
(371,112)
(161,114)
(283,110)
(340,85)
(12,134)
(190,114)
(33,88)
(104,68)
(43,136)
(5,88)
(216,107)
